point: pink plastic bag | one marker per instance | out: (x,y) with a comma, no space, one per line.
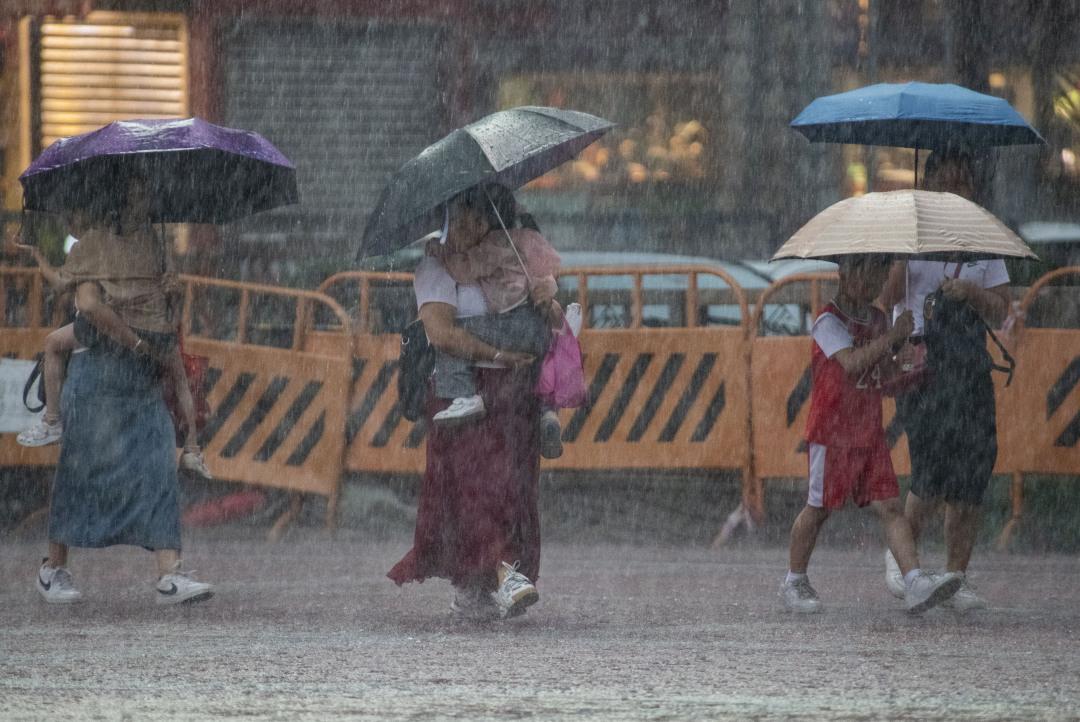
(562,376)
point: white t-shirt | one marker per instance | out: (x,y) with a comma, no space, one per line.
(831,335)
(433,284)
(925,277)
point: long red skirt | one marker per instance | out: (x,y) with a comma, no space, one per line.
(479,496)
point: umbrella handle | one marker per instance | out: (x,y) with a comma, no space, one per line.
(508,238)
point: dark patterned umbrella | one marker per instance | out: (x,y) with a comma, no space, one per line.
(197,172)
(510,147)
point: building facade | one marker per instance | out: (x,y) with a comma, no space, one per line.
(702,161)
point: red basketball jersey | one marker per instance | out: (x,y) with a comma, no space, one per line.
(845,411)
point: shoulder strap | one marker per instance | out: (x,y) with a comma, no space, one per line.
(35,373)
(1004,354)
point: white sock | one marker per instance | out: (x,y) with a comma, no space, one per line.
(910,576)
(792,577)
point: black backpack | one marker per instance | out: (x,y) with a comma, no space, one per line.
(955,336)
(415,364)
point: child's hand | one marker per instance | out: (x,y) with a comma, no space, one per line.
(903,327)
(14,248)
(515,359)
(958,289)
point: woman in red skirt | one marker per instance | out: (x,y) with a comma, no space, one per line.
(478,522)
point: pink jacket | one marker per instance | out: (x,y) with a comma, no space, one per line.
(493,265)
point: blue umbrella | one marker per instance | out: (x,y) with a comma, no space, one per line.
(915,115)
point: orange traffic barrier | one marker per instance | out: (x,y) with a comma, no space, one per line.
(278,392)
(673,398)
(1039,419)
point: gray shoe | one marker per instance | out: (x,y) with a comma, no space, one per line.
(800,597)
(965,598)
(515,593)
(550,436)
(474,604)
(928,590)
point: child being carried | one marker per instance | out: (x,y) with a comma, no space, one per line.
(512,268)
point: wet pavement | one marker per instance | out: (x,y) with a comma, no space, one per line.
(311,629)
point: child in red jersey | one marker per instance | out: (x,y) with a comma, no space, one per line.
(848,453)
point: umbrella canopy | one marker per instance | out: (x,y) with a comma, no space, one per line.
(914,115)
(197,172)
(925,224)
(510,147)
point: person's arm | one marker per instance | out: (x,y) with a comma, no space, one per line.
(856,361)
(53,276)
(893,291)
(445,335)
(990,303)
(91,305)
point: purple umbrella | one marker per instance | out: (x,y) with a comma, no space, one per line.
(197,172)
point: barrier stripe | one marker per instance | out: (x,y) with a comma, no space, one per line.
(689,396)
(596,387)
(712,413)
(1062,387)
(618,407)
(660,390)
(416,436)
(292,416)
(389,425)
(799,395)
(378,387)
(262,408)
(300,455)
(228,405)
(213,375)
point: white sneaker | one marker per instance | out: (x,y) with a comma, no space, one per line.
(965,598)
(41,434)
(474,604)
(193,462)
(550,436)
(800,597)
(573,318)
(515,593)
(894,580)
(928,590)
(462,409)
(56,586)
(178,587)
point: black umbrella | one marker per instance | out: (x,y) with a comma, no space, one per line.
(510,147)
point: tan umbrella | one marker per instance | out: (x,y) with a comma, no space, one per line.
(908,222)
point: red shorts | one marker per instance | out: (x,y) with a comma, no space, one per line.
(863,473)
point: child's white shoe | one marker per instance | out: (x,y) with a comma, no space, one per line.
(193,462)
(41,434)
(573,318)
(462,409)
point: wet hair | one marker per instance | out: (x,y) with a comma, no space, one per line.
(853,261)
(950,155)
(492,201)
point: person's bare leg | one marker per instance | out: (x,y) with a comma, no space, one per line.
(174,367)
(58,555)
(804,533)
(918,511)
(898,533)
(167,559)
(961,527)
(56,344)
